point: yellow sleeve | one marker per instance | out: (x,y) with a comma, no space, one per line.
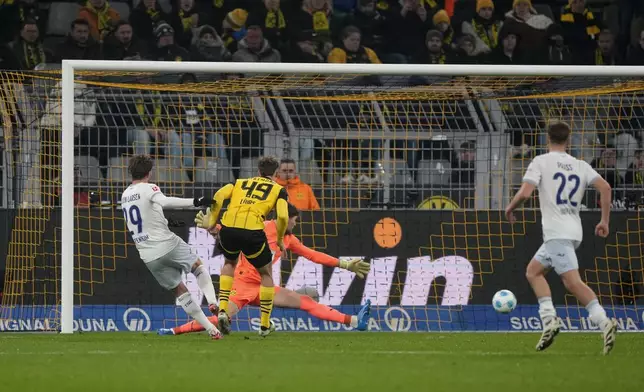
(337,55)
(373,57)
(221,195)
(282,217)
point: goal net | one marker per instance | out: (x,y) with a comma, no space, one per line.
(411,168)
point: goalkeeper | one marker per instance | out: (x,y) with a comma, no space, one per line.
(246,284)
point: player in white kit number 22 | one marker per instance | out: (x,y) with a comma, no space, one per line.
(165,254)
(562,181)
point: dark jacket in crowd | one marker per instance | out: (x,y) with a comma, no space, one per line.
(144,20)
(115,50)
(169,53)
(71,50)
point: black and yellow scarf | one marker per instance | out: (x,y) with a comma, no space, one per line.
(591,24)
(34,54)
(441,59)
(484,34)
(601,60)
(359,57)
(104,21)
(186,20)
(320,21)
(275,19)
(218,3)
(150,120)
(153,13)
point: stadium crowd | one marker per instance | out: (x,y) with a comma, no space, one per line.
(335,31)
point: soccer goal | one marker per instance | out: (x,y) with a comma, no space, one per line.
(410,165)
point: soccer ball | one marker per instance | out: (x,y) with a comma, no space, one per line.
(504,301)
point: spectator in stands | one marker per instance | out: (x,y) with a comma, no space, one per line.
(304,49)
(351,51)
(101,17)
(606,166)
(530,27)
(255,49)
(152,134)
(372,22)
(506,53)
(606,52)
(166,49)
(123,45)
(27,48)
(435,53)
(146,16)
(78,44)
(189,17)
(484,27)
(8,61)
(299,194)
(442,23)
(207,45)
(465,53)
(580,31)
(408,28)
(636,53)
(558,53)
(13,14)
(218,9)
(464,171)
(314,15)
(234,28)
(270,17)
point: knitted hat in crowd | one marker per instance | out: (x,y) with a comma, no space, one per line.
(237,18)
(433,33)
(163,29)
(206,29)
(440,17)
(484,4)
(517,2)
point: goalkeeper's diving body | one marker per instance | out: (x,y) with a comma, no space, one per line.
(245,290)
(165,254)
(242,231)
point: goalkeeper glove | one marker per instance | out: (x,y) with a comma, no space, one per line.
(202,201)
(358,266)
(201,219)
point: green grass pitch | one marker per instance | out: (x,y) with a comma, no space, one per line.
(325,362)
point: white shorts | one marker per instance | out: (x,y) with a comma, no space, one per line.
(168,269)
(558,254)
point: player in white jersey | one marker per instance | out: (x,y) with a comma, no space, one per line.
(165,254)
(562,180)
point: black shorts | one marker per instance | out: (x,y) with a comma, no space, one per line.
(252,243)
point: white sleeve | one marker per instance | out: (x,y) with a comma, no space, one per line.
(156,196)
(591,174)
(533,174)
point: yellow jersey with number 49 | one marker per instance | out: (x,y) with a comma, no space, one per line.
(251,201)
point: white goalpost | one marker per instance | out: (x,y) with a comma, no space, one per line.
(71,67)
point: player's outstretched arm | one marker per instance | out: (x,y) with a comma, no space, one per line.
(605,200)
(358,266)
(221,195)
(522,195)
(177,202)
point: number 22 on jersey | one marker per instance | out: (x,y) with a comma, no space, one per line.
(562,197)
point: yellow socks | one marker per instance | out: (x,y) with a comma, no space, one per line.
(225,285)
(266,295)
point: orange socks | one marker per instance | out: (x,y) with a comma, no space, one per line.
(193,326)
(323,312)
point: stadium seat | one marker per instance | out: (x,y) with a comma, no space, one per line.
(61,15)
(400,174)
(435,172)
(87,169)
(122,8)
(117,170)
(309,172)
(210,170)
(169,171)
(248,167)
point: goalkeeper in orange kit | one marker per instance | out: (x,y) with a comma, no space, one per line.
(245,290)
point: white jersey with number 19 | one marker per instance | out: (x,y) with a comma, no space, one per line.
(562,181)
(146,222)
